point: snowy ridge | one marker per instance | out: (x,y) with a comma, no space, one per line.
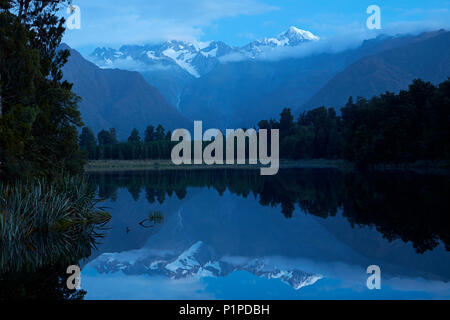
(292,37)
(197,261)
(197,59)
(194,58)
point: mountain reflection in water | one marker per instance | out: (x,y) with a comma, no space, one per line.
(302,234)
(233,234)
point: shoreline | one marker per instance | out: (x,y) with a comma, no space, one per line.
(434,167)
(150,165)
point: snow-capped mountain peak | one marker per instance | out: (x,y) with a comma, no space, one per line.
(292,37)
(194,58)
(294,33)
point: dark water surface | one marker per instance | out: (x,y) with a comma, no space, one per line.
(304,234)
(233,234)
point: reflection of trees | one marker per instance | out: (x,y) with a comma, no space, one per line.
(409,207)
(36,268)
(405,206)
(46,283)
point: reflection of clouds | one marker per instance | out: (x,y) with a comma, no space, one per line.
(353,277)
(336,280)
(203,210)
(119,286)
(440,289)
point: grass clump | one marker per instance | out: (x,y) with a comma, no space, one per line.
(156,217)
(42,222)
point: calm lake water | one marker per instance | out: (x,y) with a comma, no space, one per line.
(232,234)
(303,234)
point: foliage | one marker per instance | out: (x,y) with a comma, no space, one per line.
(88,142)
(399,128)
(48,223)
(401,205)
(391,128)
(39,114)
(156,145)
(315,135)
(47,283)
(41,222)
(402,128)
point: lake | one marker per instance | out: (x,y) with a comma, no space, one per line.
(303,234)
(233,234)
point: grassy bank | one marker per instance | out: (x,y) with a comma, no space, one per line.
(130,165)
(432,167)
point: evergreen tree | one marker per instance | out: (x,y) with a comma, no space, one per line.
(88,143)
(169,135)
(150,134)
(39,120)
(134,137)
(286,121)
(105,138)
(160,133)
(113,134)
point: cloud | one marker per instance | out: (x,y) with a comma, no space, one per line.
(337,36)
(246,35)
(131,65)
(142,21)
(420,11)
(348,38)
(416,27)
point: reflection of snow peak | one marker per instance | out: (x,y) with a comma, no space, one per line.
(295,278)
(186,260)
(197,261)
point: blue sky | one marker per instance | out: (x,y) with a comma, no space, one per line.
(237,22)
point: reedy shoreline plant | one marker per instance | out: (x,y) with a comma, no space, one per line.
(43,222)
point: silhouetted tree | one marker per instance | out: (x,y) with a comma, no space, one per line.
(160,133)
(39,118)
(88,143)
(150,134)
(134,137)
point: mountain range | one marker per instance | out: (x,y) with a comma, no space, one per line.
(390,70)
(240,94)
(197,59)
(113,98)
(176,82)
(170,66)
